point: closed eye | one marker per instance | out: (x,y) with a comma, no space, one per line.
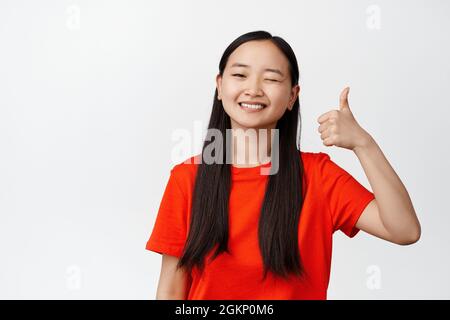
(242,76)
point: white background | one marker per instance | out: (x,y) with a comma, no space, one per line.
(92,91)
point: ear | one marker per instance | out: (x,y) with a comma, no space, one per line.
(219,86)
(294,94)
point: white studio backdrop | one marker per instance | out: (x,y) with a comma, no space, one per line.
(91,93)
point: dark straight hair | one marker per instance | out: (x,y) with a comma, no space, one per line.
(283,199)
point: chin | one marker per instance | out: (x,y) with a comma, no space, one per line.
(251,124)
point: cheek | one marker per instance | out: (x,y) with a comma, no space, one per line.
(278,97)
(230,91)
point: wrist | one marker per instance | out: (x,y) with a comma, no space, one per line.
(365,143)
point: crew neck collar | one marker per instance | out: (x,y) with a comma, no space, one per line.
(249,172)
(258,166)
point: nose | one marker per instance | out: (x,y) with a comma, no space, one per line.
(253,88)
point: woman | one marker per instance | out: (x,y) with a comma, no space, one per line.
(228,231)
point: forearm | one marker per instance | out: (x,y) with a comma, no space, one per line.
(176,293)
(166,295)
(395,207)
(170,297)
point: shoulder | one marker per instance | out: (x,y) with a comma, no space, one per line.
(319,165)
(311,156)
(323,166)
(313,159)
(186,169)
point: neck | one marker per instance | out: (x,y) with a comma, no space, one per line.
(251,147)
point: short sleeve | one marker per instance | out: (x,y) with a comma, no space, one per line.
(169,231)
(345,196)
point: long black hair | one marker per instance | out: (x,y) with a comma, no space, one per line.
(283,199)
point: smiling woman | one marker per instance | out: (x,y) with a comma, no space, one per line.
(234,233)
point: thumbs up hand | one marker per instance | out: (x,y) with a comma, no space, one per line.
(339,127)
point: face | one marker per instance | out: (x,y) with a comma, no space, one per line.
(257,72)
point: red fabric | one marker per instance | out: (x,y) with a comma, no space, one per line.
(334,200)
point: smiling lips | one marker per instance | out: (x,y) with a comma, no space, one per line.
(252,106)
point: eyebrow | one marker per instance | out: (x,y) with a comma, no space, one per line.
(237,64)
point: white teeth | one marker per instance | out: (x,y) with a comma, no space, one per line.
(252,106)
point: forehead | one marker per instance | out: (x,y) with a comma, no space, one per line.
(259,54)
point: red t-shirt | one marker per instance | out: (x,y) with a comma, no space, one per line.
(334,200)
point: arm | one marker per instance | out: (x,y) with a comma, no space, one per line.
(391,215)
(173,284)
